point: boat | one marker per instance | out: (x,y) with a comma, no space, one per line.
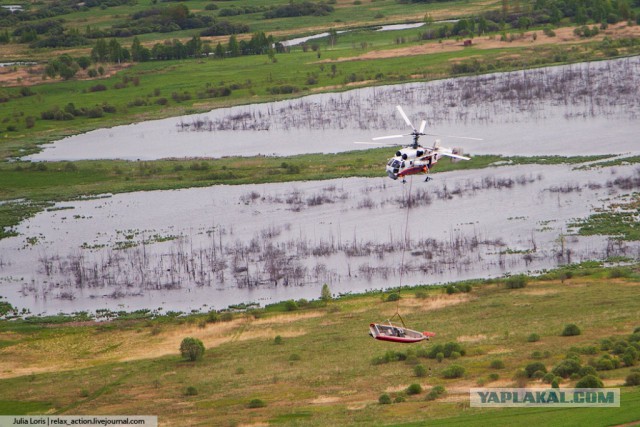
(396,333)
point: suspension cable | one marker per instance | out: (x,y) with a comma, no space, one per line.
(404,249)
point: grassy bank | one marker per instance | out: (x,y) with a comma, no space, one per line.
(324,369)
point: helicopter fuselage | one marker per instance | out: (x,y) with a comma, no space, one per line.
(410,161)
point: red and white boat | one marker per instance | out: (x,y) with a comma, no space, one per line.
(396,333)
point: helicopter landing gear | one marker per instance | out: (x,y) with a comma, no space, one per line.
(427,179)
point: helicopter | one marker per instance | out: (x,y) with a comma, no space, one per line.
(415,159)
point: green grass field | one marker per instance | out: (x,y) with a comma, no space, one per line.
(322,372)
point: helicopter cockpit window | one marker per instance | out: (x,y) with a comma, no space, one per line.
(396,164)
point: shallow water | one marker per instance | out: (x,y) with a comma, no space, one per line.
(203,248)
(591,108)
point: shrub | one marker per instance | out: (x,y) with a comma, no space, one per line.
(619,272)
(590,381)
(97,88)
(414,389)
(30,121)
(453,371)
(393,297)
(534,367)
(277,340)
(587,370)
(294,357)
(570,330)
(399,399)
(452,347)
(256,403)
(455,355)
(419,370)
(533,338)
(191,391)
(226,316)
(497,364)
(633,379)
(384,399)
(213,317)
(325,294)
(554,383)
(440,357)
(290,305)
(548,377)
(493,376)
(567,367)
(521,377)
(516,282)
(191,349)
(604,364)
(435,392)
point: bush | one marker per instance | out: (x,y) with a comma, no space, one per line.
(570,330)
(493,376)
(435,392)
(632,379)
(414,389)
(451,347)
(516,282)
(533,338)
(590,381)
(453,371)
(420,371)
(548,378)
(384,399)
(295,357)
(587,370)
(534,367)
(97,88)
(567,367)
(256,403)
(290,305)
(606,363)
(393,297)
(191,391)
(440,357)
(277,340)
(191,349)
(497,364)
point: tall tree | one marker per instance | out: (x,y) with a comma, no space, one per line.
(100,52)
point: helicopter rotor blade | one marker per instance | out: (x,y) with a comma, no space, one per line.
(404,116)
(389,137)
(388,144)
(423,125)
(455,156)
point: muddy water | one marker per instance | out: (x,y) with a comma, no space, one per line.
(590,108)
(205,248)
(211,247)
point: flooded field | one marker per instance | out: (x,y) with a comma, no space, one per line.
(590,108)
(205,248)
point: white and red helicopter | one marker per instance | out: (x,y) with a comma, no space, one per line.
(415,159)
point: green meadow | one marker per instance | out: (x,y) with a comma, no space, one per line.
(324,369)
